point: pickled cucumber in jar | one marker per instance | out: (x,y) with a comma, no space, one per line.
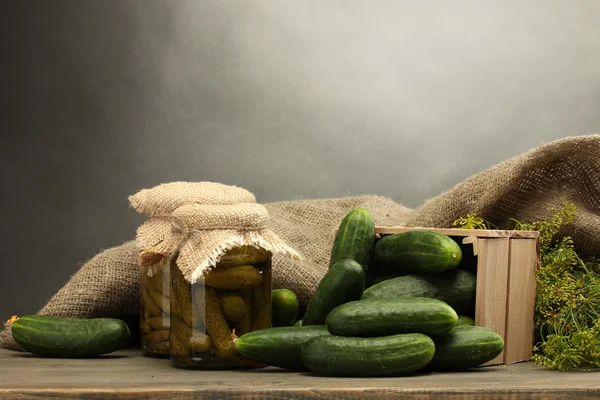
(231,298)
(155,306)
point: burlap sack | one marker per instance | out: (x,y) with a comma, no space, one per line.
(525,187)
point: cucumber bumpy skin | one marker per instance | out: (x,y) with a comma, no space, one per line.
(344,282)
(381,317)
(466,347)
(279,347)
(69,337)
(455,287)
(419,251)
(355,239)
(394,355)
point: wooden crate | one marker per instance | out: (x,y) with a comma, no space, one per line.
(505,298)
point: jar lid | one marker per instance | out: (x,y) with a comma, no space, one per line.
(201,221)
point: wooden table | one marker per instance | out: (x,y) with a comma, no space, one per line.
(127,375)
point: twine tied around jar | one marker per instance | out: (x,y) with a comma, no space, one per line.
(201,221)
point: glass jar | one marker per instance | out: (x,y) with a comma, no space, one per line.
(233,298)
(155,306)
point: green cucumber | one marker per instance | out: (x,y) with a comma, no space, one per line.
(381,356)
(383,317)
(355,239)
(466,347)
(285,307)
(420,251)
(456,287)
(69,337)
(279,347)
(377,278)
(344,282)
(463,320)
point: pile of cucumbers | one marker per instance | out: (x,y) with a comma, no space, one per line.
(386,307)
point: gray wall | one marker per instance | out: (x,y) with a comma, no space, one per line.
(289,99)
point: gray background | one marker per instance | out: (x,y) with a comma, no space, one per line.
(288,99)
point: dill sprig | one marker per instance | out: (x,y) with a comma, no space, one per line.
(473,221)
(567,306)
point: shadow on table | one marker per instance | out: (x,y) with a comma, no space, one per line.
(100,357)
(271,370)
(425,372)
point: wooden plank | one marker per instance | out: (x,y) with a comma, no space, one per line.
(305,394)
(521,300)
(128,375)
(492,284)
(383,230)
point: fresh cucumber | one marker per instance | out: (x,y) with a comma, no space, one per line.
(69,337)
(464,320)
(456,287)
(285,307)
(279,347)
(381,356)
(355,239)
(375,278)
(466,347)
(383,317)
(344,282)
(419,251)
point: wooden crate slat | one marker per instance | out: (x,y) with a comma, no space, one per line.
(492,282)
(382,230)
(521,301)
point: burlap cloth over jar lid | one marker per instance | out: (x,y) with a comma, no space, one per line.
(202,221)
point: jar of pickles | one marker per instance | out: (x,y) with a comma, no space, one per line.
(205,256)
(155,308)
(230,299)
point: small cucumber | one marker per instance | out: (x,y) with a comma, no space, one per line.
(464,320)
(344,282)
(420,251)
(381,356)
(285,307)
(279,347)
(69,337)
(355,239)
(466,347)
(383,317)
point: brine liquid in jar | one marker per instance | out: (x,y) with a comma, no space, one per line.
(230,299)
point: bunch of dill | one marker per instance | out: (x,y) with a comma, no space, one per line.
(567,306)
